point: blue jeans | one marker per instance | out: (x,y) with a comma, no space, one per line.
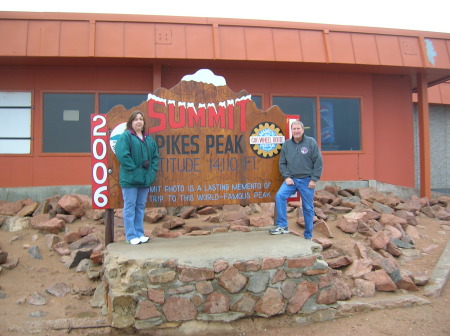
(134,200)
(307,195)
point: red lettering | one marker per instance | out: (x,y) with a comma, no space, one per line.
(173,123)
(230,110)
(216,117)
(243,111)
(196,118)
(177,115)
(156,115)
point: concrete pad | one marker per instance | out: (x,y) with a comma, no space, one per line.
(440,274)
(201,251)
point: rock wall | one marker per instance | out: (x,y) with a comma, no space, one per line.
(149,293)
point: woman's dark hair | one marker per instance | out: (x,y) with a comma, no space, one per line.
(133,116)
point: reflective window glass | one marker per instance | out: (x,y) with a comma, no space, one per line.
(340,124)
(303,107)
(108,101)
(67,122)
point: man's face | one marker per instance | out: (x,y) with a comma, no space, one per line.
(297,131)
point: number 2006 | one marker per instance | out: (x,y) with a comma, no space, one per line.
(99,161)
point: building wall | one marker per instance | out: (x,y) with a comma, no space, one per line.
(393,131)
(387,151)
(440,147)
(42,169)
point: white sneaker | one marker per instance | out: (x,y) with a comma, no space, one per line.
(144,239)
(278,230)
(135,241)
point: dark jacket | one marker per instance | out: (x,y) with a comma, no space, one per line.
(131,153)
(301,160)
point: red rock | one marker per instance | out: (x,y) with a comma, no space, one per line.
(220,265)
(324,196)
(204,287)
(280,275)
(347,225)
(379,240)
(245,305)
(216,303)
(359,268)
(232,280)
(332,189)
(71,236)
(173,223)
(270,263)
(324,242)
(53,225)
(233,216)
(304,291)
(189,274)
(156,295)
(271,303)
(188,211)
(403,281)
(301,262)
(261,221)
(248,266)
(383,283)
(10,208)
(327,296)
(239,228)
(146,310)
(96,257)
(339,262)
(322,227)
(364,288)
(173,313)
(28,209)
(72,204)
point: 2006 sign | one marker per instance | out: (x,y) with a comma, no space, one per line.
(99,162)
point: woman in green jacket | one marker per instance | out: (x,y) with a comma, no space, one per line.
(138,156)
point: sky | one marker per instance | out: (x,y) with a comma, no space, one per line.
(425,15)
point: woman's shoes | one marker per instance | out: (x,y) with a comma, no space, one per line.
(136,241)
(144,239)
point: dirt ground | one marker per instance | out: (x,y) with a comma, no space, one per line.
(36,275)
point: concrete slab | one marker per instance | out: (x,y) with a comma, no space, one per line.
(440,274)
(201,251)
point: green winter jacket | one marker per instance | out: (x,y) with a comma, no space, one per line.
(131,153)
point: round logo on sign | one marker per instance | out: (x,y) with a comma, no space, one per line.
(266,140)
(115,134)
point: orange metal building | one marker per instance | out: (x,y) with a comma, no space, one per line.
(99,56)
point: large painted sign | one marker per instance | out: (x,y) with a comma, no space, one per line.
(215,145)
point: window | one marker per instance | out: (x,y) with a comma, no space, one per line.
(108,101)
(340,120)
(340,124)
(67,119)
(304,108)
(67,122)
(258,101)
(15,122)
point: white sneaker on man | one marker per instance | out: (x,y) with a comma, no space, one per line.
(278,230)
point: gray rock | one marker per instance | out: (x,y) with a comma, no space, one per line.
(34,252)
(402,244)
(58,290)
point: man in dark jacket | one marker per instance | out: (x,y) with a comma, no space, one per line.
(301,166)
